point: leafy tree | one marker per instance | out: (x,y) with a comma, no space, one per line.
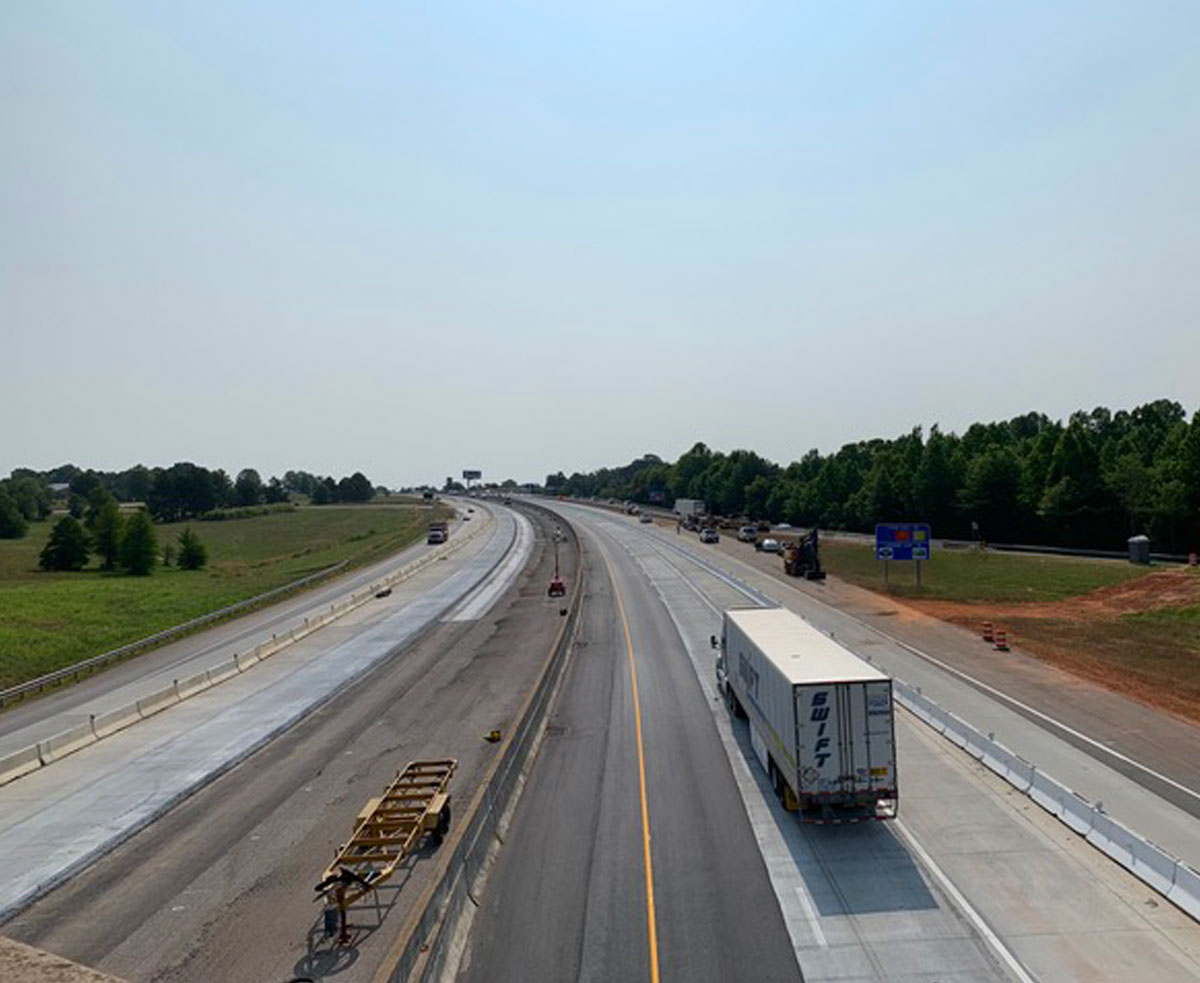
(67,547)
(31,495)
(192,554)
(107,532)
(97,499)
(76,505)
(275,492)
(355,488)
(248,488)
(992,492)
(320,494)
(139,544)
(168,554)
(12,522)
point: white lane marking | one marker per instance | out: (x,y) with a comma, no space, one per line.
(489,592)
(810,913)
(991,938)
(964,905)
(1003,697)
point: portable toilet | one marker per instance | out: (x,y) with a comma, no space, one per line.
(1139,550)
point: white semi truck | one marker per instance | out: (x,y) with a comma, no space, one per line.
(689,506)
(821,719)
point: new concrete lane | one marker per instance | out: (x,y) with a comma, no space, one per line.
(220,888)
(61,818)
(28,722)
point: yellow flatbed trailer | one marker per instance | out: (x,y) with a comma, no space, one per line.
(386,831)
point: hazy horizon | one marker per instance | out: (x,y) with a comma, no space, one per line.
(409,241)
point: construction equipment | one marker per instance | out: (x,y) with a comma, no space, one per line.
(802,558)
(386,831)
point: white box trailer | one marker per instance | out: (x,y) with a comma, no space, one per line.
(689,506)
(821,719)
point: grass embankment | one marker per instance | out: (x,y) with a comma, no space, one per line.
(52,620)
(1134,629)
(971,575)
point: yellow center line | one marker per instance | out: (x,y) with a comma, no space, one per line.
(641,755)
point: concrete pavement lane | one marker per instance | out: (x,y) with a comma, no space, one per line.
(568,899)
(974,882)
(37,719)
(60,818)
(221,887)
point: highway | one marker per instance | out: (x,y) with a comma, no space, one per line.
(220,887)
(647,844)
(972,883)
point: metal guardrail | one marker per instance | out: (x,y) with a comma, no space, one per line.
(115,655)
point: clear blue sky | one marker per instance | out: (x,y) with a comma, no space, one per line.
(412,238)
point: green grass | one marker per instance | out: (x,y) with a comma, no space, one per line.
(968,575)
(51,620)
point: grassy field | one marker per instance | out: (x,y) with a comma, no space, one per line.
(968,575)
(50,620)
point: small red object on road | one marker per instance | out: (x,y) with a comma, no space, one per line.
(987,631)
(1001,640)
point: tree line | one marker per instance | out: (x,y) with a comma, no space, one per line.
(182,491)
(1091,481)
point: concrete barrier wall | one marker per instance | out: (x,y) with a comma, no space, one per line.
(19,763)
(60,745)
(148,706)
(115,720)
(1167,875)
(1185,892)
(192,685)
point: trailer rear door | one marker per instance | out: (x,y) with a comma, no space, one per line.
(845,736)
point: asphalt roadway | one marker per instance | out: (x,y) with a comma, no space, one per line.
(221,887)
(695,873)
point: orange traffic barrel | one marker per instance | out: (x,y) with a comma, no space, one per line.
(1001,640)
(987,631)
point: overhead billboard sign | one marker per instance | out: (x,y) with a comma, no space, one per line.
(902,541)
(472,475)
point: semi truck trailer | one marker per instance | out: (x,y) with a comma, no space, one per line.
(821,719)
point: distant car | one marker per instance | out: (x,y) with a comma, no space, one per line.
(784,525)
(466,518)
(709,536)
(469,509)
(768,546)
(763,527)
(747,534)
(645,518)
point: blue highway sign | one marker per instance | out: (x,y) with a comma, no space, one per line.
(902,541)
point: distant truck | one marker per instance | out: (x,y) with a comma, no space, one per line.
(689,506)
(821,719)
(439,532)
